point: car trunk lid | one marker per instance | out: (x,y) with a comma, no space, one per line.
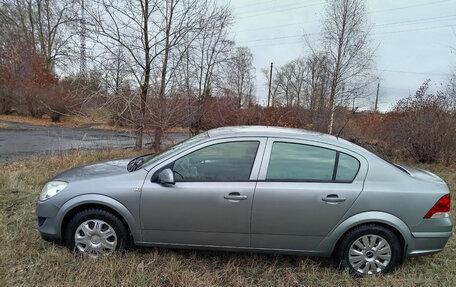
(420,173)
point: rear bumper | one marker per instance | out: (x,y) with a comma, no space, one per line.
(426,245)
(423,241)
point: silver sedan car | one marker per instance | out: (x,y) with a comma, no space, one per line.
(259,189)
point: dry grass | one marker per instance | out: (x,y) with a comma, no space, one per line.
(27,260)
(9,127)
(68,122)
(92,121)
(4,126)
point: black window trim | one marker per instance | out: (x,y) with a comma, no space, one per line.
(335,168)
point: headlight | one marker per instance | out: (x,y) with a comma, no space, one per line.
(52,188)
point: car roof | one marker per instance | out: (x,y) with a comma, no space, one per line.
(280,132)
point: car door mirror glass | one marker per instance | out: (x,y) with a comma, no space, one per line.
(166,176)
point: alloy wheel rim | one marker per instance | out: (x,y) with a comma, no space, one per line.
(95,237)
(369,254)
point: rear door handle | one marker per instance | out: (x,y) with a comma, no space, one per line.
(333,198)
(235,196)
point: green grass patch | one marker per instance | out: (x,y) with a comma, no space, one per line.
(27,260)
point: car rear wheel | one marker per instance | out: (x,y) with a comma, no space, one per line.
(95,232)
(369,250)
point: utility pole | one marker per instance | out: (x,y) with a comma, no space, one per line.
(354,98)
(270,81)
(376,98)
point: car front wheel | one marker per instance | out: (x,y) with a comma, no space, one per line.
(369,250)
(95,232)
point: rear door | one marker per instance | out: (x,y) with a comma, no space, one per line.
(303,190)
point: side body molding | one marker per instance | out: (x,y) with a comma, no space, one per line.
(101,200)
(371,217)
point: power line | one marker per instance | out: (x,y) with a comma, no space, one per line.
(409,6)
(406,22)
(316,34)
(279,26)
(313,34)
(277,44)
(409,72)
(419,21)
(271,10)
(253,4)
(261,8)
(412,30)
(275,10)
(273,38)
(400,23)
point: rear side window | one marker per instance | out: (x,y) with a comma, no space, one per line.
(299,162)
(347,167)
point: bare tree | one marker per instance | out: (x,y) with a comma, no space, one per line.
(118,94)
(317,81)
(209,51)
(282,81)
(181,27)
(130,25)
(241,75)
(149,31)
(346,43)
(292,79)
(451,91)
(289,83)
(46,23)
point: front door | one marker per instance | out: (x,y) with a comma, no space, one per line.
(210,203)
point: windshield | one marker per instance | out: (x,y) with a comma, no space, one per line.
(180,146)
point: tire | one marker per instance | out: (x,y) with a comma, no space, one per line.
(99,232)
(369,250)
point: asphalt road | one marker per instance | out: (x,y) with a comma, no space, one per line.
(19,140)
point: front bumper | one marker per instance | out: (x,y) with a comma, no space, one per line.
(48,224)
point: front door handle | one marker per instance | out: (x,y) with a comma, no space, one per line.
(235,196)
(333,198)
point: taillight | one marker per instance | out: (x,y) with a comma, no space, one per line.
(441,209)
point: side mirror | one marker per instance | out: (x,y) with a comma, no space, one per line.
(166,176)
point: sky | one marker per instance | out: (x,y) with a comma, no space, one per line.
(414,40)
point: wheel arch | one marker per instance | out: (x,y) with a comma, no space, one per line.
(83,202)
(395,224)
(387,226)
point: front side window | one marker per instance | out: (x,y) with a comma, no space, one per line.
(231,161)
(180,146)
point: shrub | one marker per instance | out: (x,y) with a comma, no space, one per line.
(27,86)
(424,126)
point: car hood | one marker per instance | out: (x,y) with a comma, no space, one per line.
(100,169)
